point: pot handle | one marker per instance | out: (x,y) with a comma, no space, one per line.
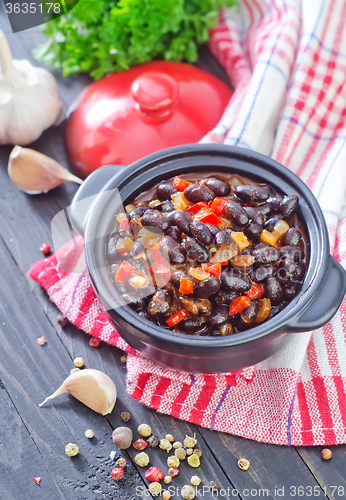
(327,301)
(87,193)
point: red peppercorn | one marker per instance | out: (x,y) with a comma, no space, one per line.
(37,480)
(45,248)
(140,444)
(173,471)
(117,473)
(94,342)
(154,474)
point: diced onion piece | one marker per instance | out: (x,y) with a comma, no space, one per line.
(149,238)
(198,274)
(264,311)
(121,217)
(154,203)
(243,261)
(268,237)
(225,252)
(235,181)
(240,239)
(129,208)
(280,229)
(224,224)
(138,281)
(179,201)
(128,243)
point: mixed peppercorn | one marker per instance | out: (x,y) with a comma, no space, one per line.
(212,257)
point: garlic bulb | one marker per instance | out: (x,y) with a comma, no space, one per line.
(92,388)
(29,99)
(36,173)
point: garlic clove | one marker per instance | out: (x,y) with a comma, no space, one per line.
(36,173)
(92,388)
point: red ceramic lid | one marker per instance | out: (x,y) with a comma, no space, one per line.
(126,116)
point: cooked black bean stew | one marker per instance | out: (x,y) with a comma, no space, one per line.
(209,255)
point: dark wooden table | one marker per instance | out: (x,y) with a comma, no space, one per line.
(32,439)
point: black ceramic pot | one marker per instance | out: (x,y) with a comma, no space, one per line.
(320,296)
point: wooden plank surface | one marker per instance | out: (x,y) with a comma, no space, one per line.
(32,439)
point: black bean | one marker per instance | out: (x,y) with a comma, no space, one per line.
(265,209)
(213,229)
(176,276)
(196,251)
(195,306)
(219,187)
(201,232)
(286,270)
(190,324)
(261,273)
(251,312)
(253,231)
(292,237)
(112,252)
(199,192)
(160,303)
(139,210)
(219,315)
(274,202)
(291,252)
(169,216)
(266,255)
(253,193)
(282,276)
(273,290)
(165,189)
(225,296)
(235,280)
(274,310)
(175,252)
(223,238)
(165,206)
(255,215)
(270,223)
(174,232)
(291,290)
(183,221)
(137,249)
(153,218)
(288,206)
(144,314)
(235,212)
(207,287)
(136,301)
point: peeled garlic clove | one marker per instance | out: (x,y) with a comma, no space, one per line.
(92,388)
(36,173)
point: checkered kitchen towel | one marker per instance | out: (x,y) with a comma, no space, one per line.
(287,62)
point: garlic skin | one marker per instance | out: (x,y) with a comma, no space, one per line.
(36,173)
(92,388)
(29,99)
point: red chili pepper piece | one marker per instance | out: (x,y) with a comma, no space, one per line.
(140,444)
(158,258)
(45,248)
(214,269)
(256,291)
(124,224)
(180,183)
(37,480)
(197,207)
(124,271)
(224,263)
(154,474)
(207,216)
(239,304)
(218,205)
(94,342)
(177,317)
(186,286)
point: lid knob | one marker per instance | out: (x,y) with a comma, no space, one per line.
(155,93)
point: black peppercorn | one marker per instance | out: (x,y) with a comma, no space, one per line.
(153,441)
(62,320)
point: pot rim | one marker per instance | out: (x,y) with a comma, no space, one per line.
(314,276)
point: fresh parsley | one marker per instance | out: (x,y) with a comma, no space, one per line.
(103,36)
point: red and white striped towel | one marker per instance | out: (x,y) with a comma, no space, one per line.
(287,62)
